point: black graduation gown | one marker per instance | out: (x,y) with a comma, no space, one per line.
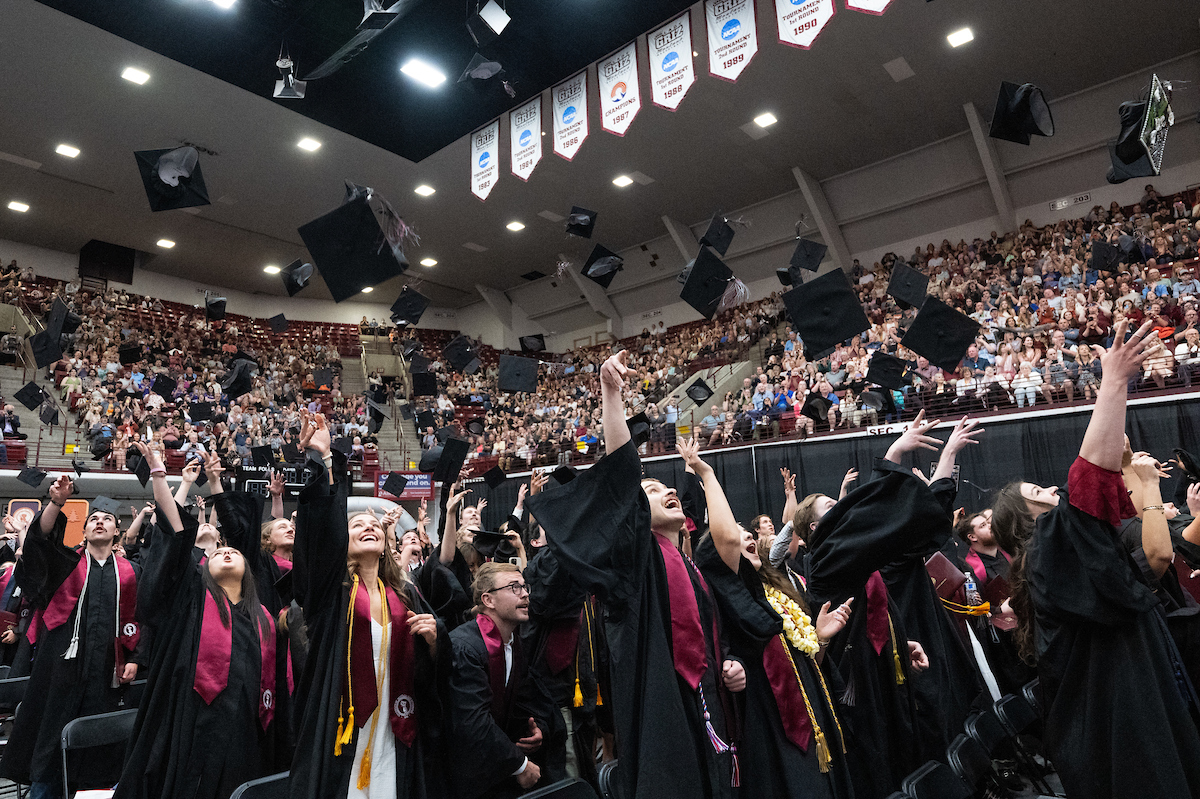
(181,747)
(1117,723)
(598,526)
(320,582)
(772,766)
(873,526)
(442,587)
(60,690)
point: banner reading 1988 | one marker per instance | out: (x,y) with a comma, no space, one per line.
(568,103)
(801,20)
(732,36)
(525,137)
(671,70)
(485,159)
(620,95)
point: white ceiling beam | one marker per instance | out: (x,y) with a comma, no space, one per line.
(598,300)
(991,167)
(831,233)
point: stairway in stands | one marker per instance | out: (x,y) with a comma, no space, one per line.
(45,443)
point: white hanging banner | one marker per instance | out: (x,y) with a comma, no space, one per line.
(671,69)
(801,20)
(732,36)
(485,159)
(525,137)
(875,7)
(568,102)
(620,96)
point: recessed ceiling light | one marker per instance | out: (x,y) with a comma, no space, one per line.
(515,226)
(135,75)
(368,289)
(424,190)
(622,180)
(272,269)
(960,37)
(765,120)
(227,4)
(67,150)
(19,207)
(428,262)
(421,72)
(312,145)
(166,244)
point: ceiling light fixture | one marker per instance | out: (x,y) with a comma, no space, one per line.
(19,207)
(515,226)
(622,181)
(312,145)
(368,289)
(67,150)
(428,262)
(225,4)
(960,37)
(487,23)
(166,244)
(424,190)
(271,269)
(135,75)
(421,72)
(765,120)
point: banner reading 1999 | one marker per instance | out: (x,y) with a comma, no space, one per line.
(732,36)
(671,70)
(801,20)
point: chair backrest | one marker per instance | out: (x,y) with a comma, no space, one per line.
(1015,713)
(12,690)
(273,787)
(986,730)
(935,781)
(4,670)
(570,788)
(1032,691)
(607,779)
(98,730)
(969,761)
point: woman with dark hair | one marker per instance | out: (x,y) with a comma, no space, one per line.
(1119,710)
(205,725)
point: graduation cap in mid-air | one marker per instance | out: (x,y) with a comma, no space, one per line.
(450,462)
(262,456)
(129,353)
(395,483)
(31,395)
(602,266)
(493,546)
(816,407)
(564,474)
(1105,257)
(80,467)
(296,276)
(32,476)
(200,411)
(46,349)
(461,356)
(418,363)
(941,334)
(494,477)
(163,386)
(534,343)
(699,392)
(424,384)
(475,427)
(808,255)
(719,234)
(135,463)
(48,413)
(705,283)
(105,504)
(172,178)
(886,370)
(639,428)
(350,248)
(581,222)
(214,308)
(409,306)
(907,286)
(825,311)
(1139,148)
(239,379)
(1021,112)
(518,374)
(278,323)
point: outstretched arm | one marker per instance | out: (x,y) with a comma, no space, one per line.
(1104,441)
(449,542)
(914,438)
(612,381)
(964,433)
(190,473)
(162,492)
(275,488)
(725,531)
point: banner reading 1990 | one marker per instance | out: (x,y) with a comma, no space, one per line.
(732,36)
(801,20)
(568,103)
(620,96)
(485,159)
(671,70)
(525,137)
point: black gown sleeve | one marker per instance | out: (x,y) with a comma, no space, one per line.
(445,595)
(167,567)
(240,514)
(46,562)
(322,537)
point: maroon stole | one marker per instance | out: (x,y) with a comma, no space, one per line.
(972,559)
(495,650)
(285,566)
(797,726)
(216,653)
(402,709)
(561,642)
(878,629)
(9,568)
(687,634)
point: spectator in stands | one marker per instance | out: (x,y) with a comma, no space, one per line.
(1025,385)
(429,440)
(10,423)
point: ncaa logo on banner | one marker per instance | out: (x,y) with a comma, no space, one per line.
(731,29)
(483,160)
(568,115)
(525,139)
(484,164)
(670,61)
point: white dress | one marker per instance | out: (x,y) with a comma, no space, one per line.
(382,744)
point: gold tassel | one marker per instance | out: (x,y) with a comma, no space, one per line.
(364,770)
(896,654)
(344,733)
(599,699)
(578,693)
(823,756)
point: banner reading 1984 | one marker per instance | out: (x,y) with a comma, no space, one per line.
(801,20)
(671,70)
(525,137)
(485,159)
(620,96)
(568,103)
(732,36)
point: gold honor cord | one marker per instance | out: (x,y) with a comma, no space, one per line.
(895,653)
(364,768)
(824,757)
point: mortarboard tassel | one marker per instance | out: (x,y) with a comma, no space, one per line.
(578,692)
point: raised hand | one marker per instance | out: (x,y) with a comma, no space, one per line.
(537,481)
(613,371)
(1124,359)
(689,450)
(456,497)
(963,434)
(850,476)
(831,622)
(61,490)
(789,480)
(314,433)
(1147,468)
(191,472)
(275,484)
(1193,499)
(424,625)
(152,459)
(914,438)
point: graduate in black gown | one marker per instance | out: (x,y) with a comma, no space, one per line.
(618,537)
(89,644)
(369,702)
(1119,710)
(206,723)
(792,742)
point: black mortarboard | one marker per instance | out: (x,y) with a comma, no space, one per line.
(536,343)
(719,234)
(581,222)
(639,428)
(80,467)
(460,354)
(518,374)
(424,384)
(200,411)
(409,306)
(411,345)
(406,411)
(350,250)
(323,377)
(238,379)
(48,414)
(135,463)
(201,477)
(1021,111)
(941,334)
(707,279)
(475,427)
(1131,249)
(60,319)
(602,265)
(426,419)
(699,391)
(907,285)
(886,370)
(172,178)
(262,456)
(418,363)
(494,477)
(1105,257)
(824,312)
(881,401)
(105,505)
(31,395)
(163,386)
(1129,154)
(493,546)
(377,409)
(32,476)
(444,434)
(564,474)
(430,458)
(129,353)
(278,323)
(816,407)
(296,276)
(214,308)
(808,255)
(343,444)
(45,349)
(395,483)
(454,452)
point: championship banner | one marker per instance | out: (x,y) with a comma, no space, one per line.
(620,96)
(485,159)
(671,70)
(801,20)
(732,36)
(568,103)
(525,137)
(876,7)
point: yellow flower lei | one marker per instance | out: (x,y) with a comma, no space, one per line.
(797,626)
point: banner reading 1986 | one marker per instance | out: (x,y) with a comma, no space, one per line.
(525,137)
(671,70)
(801,20)
(568,103)
(485,159)
(620,96)
(732,36)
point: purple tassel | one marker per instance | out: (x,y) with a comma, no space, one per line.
(718,745)
(736,780)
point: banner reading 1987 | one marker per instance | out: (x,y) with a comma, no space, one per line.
(568,103)
(671,70)
(485,159)
(525,137)
(801,20)
(620,96)
(732,36)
